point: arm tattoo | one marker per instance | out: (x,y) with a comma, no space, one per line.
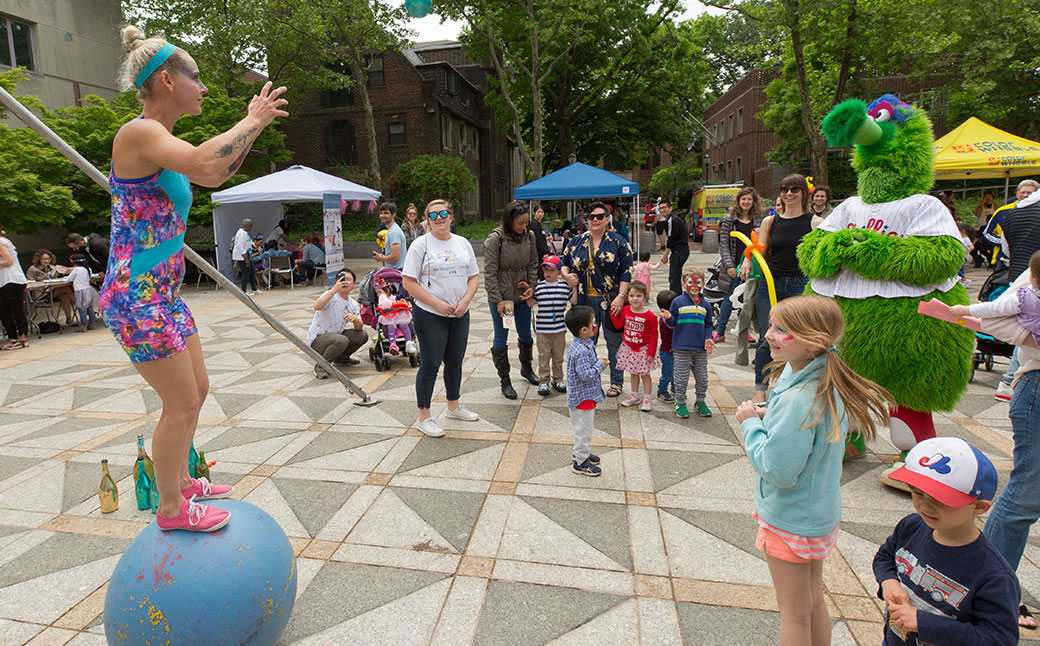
(240,141)
(233,168)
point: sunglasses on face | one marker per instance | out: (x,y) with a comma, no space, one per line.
(791,189)
(599,215)
(437,215)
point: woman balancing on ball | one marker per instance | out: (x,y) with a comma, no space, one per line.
(140,299)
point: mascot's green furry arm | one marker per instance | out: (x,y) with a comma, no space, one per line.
(882,252)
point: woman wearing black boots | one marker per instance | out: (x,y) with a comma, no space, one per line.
(510,274)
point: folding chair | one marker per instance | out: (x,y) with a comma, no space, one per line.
(282,265)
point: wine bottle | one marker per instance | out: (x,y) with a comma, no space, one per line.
(193,462)
(107,492)
(144,476)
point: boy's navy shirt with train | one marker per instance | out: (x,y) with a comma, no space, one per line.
(964,595)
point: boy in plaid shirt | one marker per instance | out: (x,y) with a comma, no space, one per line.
(584,386)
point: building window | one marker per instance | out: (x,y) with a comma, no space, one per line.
(16,44)
(729,171)
(740,170)
(374,68)
(337,98)
(451,81)
(740,121)
(397,135)
(731,126)
(445,132)
(340,144)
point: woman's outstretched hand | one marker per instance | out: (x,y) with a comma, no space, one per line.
(265,107)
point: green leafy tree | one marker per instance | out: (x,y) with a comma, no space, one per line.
(681,177)
(428,177)
(733,45)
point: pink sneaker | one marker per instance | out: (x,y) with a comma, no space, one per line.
(195,517)
(393,348)
(203,489)
(632,400)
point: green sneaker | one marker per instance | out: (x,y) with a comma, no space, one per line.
(681,411)
(702,409)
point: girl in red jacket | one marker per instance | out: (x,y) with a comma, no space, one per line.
(638,351)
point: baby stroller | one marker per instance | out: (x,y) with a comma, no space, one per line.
(986,346)
(716,288)
(379,353)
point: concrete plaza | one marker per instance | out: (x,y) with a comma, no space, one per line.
(481,537)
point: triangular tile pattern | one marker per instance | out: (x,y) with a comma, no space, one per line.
(530,535)
(313,501)
(603,526)
(451,513)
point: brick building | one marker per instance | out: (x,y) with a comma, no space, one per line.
(737,141)
(425,100)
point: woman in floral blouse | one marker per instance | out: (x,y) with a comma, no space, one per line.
(599,263)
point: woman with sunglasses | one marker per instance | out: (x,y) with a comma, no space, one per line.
(440,272)
(599,263)
(152,172)
(781,234)
(511,262)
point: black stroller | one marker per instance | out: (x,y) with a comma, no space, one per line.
(380,353)
(986,346)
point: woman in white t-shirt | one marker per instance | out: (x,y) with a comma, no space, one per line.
(440,273)
(12,296)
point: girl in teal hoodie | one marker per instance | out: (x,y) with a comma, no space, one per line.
(796,446)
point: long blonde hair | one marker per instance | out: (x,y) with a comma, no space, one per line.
(817,321)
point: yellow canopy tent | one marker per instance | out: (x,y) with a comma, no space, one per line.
(977,150)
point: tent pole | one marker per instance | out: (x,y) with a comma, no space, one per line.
(1007,185)
(93,173)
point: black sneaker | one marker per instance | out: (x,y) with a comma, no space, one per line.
(666,397)
(543,390)
(559,386)
(320,372)
(586,468)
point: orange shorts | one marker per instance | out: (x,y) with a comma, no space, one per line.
(771,544)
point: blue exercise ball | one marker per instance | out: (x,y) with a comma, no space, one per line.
(236,585)
(418,8)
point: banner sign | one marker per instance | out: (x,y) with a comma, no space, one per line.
(330,203)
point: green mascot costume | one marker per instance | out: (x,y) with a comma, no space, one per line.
(882,252)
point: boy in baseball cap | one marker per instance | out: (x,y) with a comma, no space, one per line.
(552,295)
(942,580)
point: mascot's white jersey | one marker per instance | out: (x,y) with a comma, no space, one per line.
(917,215)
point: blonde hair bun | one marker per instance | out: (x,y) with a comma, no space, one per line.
(133,37)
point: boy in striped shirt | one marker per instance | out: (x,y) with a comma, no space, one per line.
(551,295)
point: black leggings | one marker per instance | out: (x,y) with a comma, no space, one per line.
(12,310)
(441,340)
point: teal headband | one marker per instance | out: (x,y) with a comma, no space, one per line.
(158,58)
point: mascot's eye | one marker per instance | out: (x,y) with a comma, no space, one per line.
(884,114)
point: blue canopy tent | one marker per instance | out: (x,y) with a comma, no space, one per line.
(577,181)
(581,181)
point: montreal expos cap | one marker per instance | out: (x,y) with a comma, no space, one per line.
(950,470)
(553,261)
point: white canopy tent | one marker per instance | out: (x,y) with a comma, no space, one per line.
(261,201)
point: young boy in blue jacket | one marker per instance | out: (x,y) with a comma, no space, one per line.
(690,318)
(584,385)
(942,580)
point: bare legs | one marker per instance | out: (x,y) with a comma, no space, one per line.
(646,381)
(799,595)
(182,384)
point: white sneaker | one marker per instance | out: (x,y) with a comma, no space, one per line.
(250,293)
(462,413)
(1004,392)
(409,347)
(430,428)
(647,406)
(632,400)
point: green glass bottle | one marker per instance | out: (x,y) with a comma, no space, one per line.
(203,468)
(107,492)
(193,462)
(144,476)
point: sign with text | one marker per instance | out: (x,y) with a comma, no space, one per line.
(330,203)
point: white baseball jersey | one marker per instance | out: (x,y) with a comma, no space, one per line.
(917,215)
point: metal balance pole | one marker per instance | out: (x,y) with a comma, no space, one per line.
(64,148)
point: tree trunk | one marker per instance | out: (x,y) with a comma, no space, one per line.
(536,92)
(357,70)
(564,119)
(817,143)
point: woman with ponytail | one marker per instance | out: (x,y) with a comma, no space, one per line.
(796,444)
(152,172)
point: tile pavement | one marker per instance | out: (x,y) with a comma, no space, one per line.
(483,537)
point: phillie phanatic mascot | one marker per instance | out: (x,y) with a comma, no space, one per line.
(882,252)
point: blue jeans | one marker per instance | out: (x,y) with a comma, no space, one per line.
(667,367)
(1019,505)
(726,307)
(521,322)
(786,286)
(617,377)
